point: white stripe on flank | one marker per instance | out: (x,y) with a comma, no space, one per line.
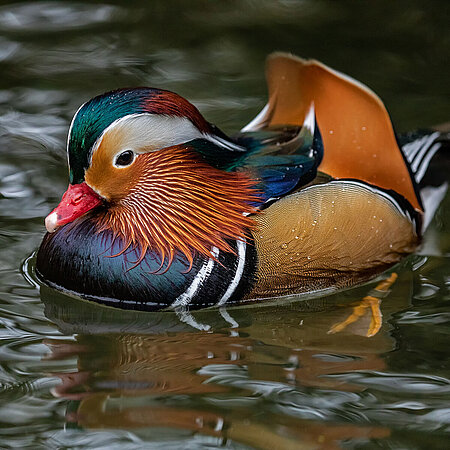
(237,276)
(425,161)
(186,297)
(412,148)
(416,163)
(374,190)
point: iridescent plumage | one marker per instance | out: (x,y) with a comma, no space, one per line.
(164,209)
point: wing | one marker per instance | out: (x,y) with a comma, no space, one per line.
(358,136)
(282,159)
(279,158)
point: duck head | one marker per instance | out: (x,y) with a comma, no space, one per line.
(145,164)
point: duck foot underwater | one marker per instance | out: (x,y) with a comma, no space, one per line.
(369,304)
(165,211)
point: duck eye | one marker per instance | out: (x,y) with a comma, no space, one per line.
(125,158)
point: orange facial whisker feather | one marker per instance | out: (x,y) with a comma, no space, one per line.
(179,203)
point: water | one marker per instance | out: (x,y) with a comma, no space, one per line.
(77,375)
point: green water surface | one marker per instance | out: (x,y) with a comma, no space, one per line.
(77,375)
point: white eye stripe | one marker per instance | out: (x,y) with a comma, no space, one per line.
(160,131)
(143,133)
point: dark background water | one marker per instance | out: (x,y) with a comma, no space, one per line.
(76,375)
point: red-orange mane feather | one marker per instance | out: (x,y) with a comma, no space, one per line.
(181,203)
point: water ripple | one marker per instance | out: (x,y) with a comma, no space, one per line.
(74,375)
(54,16)
(399,383)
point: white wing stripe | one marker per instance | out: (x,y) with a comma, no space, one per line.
(237,276)
(186,297)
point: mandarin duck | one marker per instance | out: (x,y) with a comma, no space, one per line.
(164,210)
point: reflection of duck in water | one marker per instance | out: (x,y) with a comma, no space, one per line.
(164,210)
(249,382)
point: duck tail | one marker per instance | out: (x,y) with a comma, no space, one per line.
(428,155)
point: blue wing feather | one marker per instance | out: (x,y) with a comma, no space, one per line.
(281,159)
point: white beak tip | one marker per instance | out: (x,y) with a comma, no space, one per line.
(51,222)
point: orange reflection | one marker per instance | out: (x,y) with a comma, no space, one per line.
(143,370)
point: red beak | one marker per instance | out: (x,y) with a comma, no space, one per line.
(76,201)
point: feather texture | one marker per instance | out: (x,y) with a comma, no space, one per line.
(178,203)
